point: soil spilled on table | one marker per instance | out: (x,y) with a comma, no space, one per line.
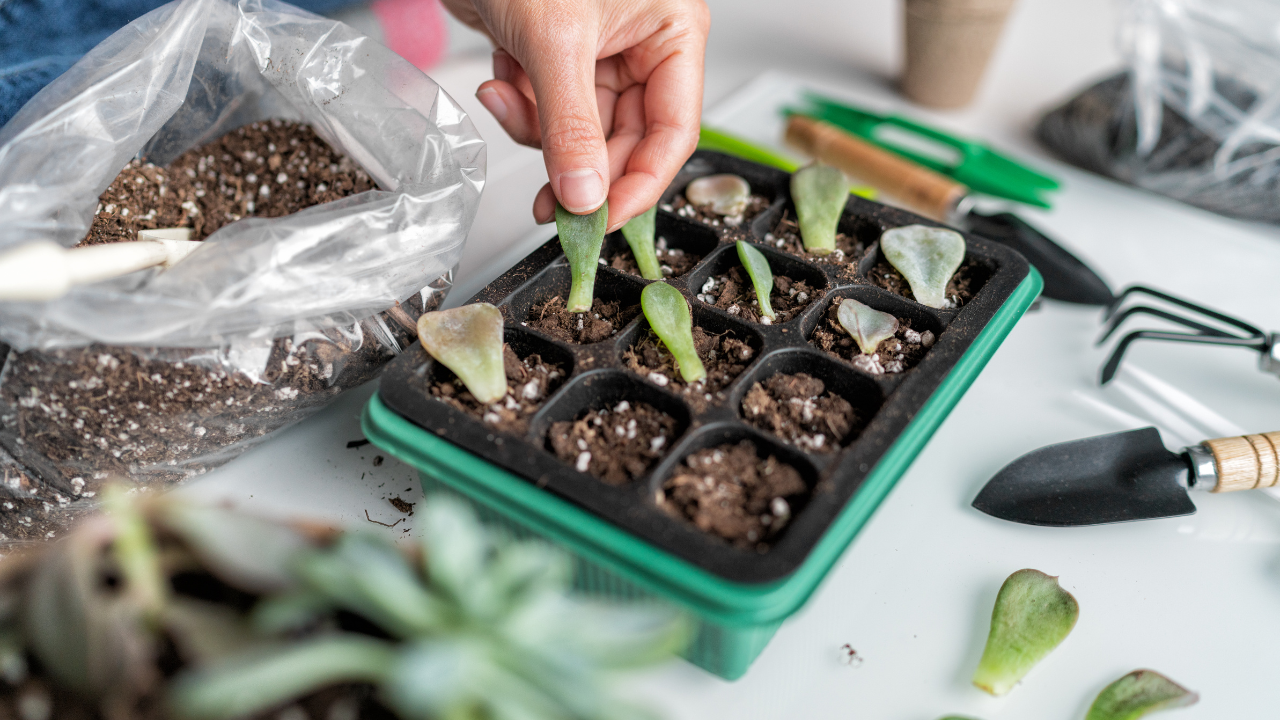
(724,357)
(673,262)
(730,492)
(785,236)
(602,322)
(705,215)
(966,282)
(895,355)
(529,382)
(734,293)
(617,445)
(797,409)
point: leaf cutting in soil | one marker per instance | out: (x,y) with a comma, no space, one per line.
(1033,614)
(761,276)
(868,326)
(1138,693)
(668,314)
(581,237)
(820,193)
(926,256)
(639,232)
(725,194)
(468,341)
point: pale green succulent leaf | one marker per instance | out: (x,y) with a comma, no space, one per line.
(614,636)
(456,554)
(468,341)
(820,193)
(868,326)
(524,570)
(725,194)
(581,237)
(926,256)
(290,611)
(251,682)
(757,266)
(639,232)
(247,552)
(668,314)
(1032,615)
(135,553)
(1137,694)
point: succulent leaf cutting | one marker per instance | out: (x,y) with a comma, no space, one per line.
(1137,694)
(468,341)
(868,326)
(1032,615)
(639,232)
(820,193)
(668,314)
(761,275)
(581,237)
(725,194)
(927,257)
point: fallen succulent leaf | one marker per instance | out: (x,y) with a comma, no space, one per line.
(639,232)
(761,275)
(1032,615)
(725,194)
(668,314)
(468,341)
(820,193)
(581,237)
(868,326)
(926,256)
(1138,693)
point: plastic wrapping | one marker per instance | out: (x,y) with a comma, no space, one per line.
(269,317)
(1197,115)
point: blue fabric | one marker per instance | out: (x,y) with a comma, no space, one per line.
(40,39)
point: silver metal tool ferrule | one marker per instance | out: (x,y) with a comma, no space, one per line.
(1270,362)
(1204,469)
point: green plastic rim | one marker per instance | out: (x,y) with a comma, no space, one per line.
(655,570)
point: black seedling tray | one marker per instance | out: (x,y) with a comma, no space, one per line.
(597,377)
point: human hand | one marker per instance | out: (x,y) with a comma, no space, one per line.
(610,90)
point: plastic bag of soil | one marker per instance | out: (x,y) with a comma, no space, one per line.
(1196,116)
(162,374)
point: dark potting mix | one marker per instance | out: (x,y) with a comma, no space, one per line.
(77,418)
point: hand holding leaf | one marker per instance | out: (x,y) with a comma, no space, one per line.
(468,341)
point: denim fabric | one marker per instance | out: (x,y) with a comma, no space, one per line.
(40,39)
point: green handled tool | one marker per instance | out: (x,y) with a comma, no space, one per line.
(971,163)
(718,141)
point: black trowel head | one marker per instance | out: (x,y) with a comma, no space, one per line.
(1106,479)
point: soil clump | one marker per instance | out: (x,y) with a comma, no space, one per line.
(602,322)
(724,357)
(798,409)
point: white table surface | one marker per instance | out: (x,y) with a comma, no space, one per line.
(1197,598)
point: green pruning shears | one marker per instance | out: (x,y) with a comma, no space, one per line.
(971,163)
(709,139)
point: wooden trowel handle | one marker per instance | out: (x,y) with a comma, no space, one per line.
(922,189)
(1246,462)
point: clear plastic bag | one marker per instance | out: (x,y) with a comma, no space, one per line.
(275,316)
(1196,116)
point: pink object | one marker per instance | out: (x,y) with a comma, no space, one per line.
(414,29)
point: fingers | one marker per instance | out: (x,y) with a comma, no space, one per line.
(512,110)
(629,130)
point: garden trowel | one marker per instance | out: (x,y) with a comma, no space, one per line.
(1125,476)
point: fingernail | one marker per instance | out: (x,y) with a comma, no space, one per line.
(493,103)
(581,190)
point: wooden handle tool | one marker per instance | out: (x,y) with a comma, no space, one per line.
(44,270)
(920,188)
(1245,462)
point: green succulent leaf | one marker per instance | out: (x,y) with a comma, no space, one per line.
(668,314)
(468,341)
(248,683)
(820,193)
(761,275)
(868,326)
(725,194)
(206,631)
(639,232)
(926,256)
(135,553)
(1138,693)
(456,554)
(250,553)
(581,237)
(1032,615)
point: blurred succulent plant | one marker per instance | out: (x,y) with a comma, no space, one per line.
(668,314)
(1138,693)
(639,232)
(761,275)
(468,341)
(1032,615)
(820,193)
(926,256)
(868,326)
(724,194)
(581,237)
(221,615)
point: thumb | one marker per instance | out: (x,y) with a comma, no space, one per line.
(573,144)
